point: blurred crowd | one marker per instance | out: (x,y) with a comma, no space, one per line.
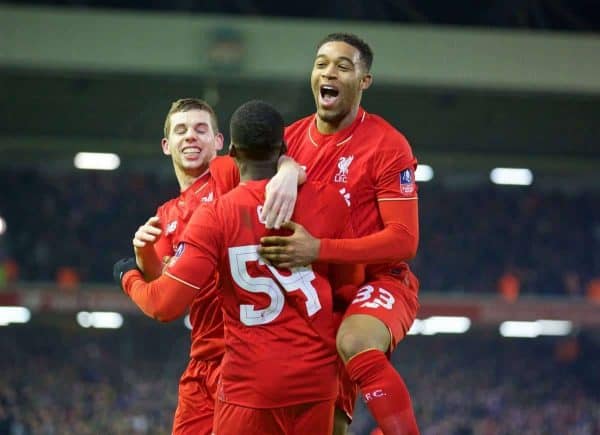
(72,227)
(62,379)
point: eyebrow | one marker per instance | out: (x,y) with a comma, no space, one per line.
(339,58)
(202,124)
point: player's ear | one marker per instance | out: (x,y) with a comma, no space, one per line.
(164,143)
(366,81)
(219,139)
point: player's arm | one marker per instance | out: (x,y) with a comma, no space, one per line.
(146,242)
(282,191)
(167,297)
(190,270)
(397,241)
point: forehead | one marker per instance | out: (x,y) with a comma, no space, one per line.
(191,117)
(339,49)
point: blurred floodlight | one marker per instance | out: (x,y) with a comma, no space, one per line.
(99,319)
(555,327)
(445,325)
(14,315)
(416,327)
(513,328)
(84,319)
(101,161)
(537,328)
(2,225)
(512,176)
(424,173)
(186,322)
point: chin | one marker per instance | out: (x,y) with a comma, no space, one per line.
(329,115)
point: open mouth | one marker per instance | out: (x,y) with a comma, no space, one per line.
(328,92)
(191,150)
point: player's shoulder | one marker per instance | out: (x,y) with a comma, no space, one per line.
(166,207)
(387,133)
(222,162)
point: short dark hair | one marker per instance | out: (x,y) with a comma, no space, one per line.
(257,127)
(366,54)
(187,104)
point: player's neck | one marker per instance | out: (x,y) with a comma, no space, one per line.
(257,170)
(331,127)
(186,179)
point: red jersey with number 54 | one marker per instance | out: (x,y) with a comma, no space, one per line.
(279,327)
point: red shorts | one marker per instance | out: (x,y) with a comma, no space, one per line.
(391,298)
(307,418)
(196,402)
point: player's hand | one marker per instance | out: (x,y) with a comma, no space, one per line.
(147,234)
(121,267)
(280,195)
(298,249)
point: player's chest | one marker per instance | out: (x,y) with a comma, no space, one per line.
(180,213)
(346,167)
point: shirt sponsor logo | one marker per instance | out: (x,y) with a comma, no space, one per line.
(171,227)
(407,181)
(346,195)
(343,166)
(208,198)
(178,253)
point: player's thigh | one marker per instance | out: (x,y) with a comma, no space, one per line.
(384,307)
(234,420)
(312,418)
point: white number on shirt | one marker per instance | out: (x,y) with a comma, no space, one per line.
(300,279)
(385,299)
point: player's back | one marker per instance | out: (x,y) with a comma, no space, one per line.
(279,331)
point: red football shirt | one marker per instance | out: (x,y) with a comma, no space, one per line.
(279,330)
(205,311)
(368,161)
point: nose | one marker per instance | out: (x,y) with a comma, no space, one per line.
(329,72)
(190,135)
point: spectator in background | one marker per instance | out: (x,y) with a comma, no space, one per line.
(593,290)
(509,286)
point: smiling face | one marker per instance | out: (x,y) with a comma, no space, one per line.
(191,142)
(338,79)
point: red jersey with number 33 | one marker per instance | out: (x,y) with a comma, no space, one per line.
(368,161)
(279,329)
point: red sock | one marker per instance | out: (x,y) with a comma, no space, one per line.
(384,392)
